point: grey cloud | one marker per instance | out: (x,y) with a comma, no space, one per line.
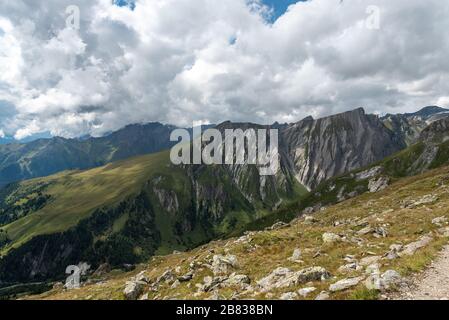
(173,61)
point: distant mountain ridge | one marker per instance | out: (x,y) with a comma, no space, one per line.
(408,126)
(44,157)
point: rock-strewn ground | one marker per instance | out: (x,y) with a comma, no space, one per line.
(362,248)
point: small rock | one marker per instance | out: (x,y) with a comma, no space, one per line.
(241,280)
(222,265)
(345,284)
(296,257)
(210,283)
(329,237)
(381,232)
(278,225)
(373,269)
(289,296)
(369,260)
(324,295)
(444,232)
(313,274)
(350,258)
(384,282)
(370,173)
(310,219)
(440,221)
(350,267)
(391,278)
(396,247)
(304,292)
(175,284)
(283,278)
(427,199)
(141,277)
(144,297)
(378,184)
(365,231)
(133,289)
(411,248)
(167,277)
(186,278)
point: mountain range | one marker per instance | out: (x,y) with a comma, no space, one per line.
(129,207)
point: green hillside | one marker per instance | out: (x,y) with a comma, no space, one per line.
(125,212)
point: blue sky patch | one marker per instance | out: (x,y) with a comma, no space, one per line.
(279,6)
(125,3)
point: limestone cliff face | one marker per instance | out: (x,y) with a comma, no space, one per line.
(321,149)
(312,151)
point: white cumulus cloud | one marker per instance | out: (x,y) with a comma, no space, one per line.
(179,61)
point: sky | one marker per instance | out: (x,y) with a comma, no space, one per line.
(184,61)
(279,7)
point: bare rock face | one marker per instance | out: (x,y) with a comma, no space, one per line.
(324,148)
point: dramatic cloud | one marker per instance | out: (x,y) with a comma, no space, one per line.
(178,61)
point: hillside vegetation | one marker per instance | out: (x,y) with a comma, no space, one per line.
(395,231)
(125,212)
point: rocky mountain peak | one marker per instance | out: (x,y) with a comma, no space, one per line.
(333,145)
(428,111)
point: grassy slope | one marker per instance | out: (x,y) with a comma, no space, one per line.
(270,249)
(400,165)
(75,195)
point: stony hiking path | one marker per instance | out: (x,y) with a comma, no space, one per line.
(432,284)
